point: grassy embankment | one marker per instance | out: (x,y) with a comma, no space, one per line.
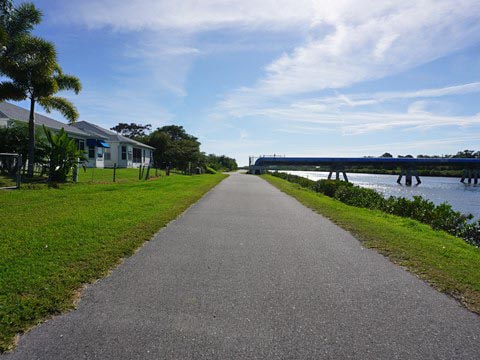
(54,240)
(446,262)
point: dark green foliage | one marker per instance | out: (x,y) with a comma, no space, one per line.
(360,197)
(14,139)
(296,179)
(221,163)
(132,130)
(209,170)
(469,154)
(62,154)
(439,217)
(175,148)
(329,187)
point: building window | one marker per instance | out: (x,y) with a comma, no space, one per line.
(124,153)
(91,152)
(99,152)
(108,155)
(137,155)
(80,144)
(143,156)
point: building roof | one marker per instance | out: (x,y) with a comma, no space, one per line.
(108,134)
(14,112)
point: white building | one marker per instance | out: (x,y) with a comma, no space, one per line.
(103,147)
(122,151)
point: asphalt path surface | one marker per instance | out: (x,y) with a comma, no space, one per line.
(250,273)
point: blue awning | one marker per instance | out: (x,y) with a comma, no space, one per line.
(101,143)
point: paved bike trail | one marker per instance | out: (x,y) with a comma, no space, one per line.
(250,273)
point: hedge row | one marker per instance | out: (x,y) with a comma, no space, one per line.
(439,217)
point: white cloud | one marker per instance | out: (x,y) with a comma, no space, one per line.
(360,40)
(188,15)
(370,41)
(353,100)
(340,112)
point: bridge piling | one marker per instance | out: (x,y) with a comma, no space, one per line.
(409,173)
(337,171)
(408,177)
(399,180)
(417,177)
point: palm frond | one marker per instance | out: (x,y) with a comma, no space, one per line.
(62,105)
(68,82)
(23,19)
(28,58)
(11,91)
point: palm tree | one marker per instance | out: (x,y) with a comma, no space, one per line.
(15,22)
(31,65)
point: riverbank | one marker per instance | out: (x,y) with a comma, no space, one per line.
(446,262)
(55,240)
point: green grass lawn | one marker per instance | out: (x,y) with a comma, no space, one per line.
(106,175)
(54,240)
(446,262)
(6,180)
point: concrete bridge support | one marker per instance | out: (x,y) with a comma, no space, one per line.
(470,175)
(337,172)
(409,173)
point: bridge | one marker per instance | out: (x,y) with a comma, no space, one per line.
(336,165)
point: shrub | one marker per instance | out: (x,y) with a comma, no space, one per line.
(360,197)
(304,182)
(330,187)
(209,170)
(63,155)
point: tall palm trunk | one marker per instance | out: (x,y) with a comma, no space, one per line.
(31,138)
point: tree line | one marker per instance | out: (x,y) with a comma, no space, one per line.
(175,148)
(465,154)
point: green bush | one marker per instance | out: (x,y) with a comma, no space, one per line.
(304,182)
(330,187)
(360,197)
(63,155)
(209,170)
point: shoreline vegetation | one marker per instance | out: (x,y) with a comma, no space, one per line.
(447,262)
(55,240)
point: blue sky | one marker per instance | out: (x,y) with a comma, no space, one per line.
(306,78)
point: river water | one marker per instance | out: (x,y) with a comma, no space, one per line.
(463,197)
